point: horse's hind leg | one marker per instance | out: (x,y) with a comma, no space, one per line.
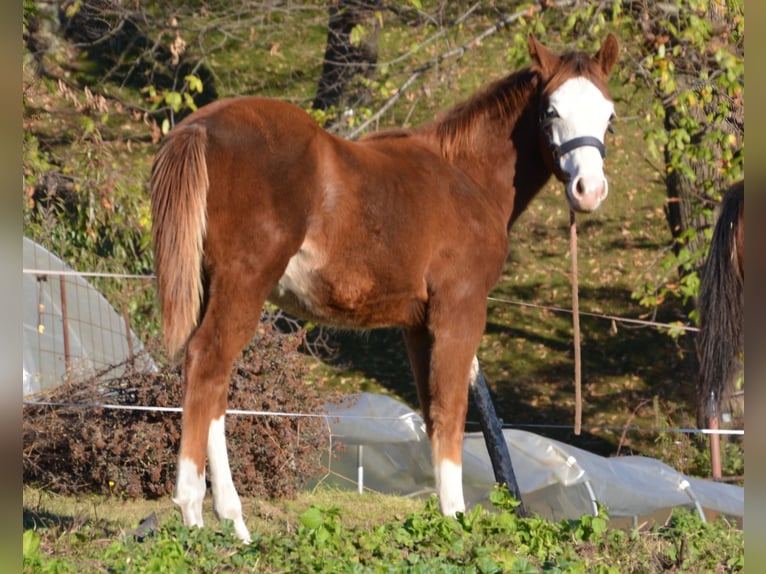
(230,319)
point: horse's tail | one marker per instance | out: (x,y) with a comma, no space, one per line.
(721,305)
(179,185)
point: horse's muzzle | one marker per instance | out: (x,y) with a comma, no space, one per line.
(585,193)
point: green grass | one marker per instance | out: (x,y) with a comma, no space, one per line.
(331,531)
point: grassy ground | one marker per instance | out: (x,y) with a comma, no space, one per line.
(331,531)
(43,509)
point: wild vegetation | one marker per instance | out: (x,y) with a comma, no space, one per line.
(132,454)
(101,83)
(342,532)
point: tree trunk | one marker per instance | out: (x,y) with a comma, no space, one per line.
(352,49)
(687,193)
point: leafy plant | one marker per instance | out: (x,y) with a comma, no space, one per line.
(480,541)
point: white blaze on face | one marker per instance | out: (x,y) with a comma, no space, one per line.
(581,110)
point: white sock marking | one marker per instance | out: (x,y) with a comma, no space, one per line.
(449,485)
(190,491)
(474,375)
(226,503)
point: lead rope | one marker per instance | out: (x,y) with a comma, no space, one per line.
(576,322)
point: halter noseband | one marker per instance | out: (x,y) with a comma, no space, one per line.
(559,150)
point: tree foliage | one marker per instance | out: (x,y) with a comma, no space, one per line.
(694,60)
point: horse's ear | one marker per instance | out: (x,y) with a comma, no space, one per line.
(541,56)
(607,55)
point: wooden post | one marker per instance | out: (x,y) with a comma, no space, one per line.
(65,323)
(715,448)
(715,438)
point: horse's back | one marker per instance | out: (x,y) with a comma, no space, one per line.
(239,113)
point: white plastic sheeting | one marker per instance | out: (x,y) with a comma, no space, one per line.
(96,335)
(558,481)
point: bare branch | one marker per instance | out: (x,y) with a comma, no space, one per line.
(456,52)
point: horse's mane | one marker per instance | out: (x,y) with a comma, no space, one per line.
(502,99)
(507,98)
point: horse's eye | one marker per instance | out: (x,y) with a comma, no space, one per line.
(547,116)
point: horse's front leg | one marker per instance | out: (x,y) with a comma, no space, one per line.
(453,342)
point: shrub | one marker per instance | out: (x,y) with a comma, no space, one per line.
(132,453)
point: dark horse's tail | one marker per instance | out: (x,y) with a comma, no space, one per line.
(721,306)
(179,185)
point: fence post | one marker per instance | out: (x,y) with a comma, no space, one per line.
(65,323)
(127,333)
(360,468)
(715,439)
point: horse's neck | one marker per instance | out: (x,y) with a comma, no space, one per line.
(511,170)
(494,137)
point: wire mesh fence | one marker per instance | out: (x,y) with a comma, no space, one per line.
(71,329)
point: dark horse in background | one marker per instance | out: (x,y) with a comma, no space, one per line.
(721,305)
(253,201)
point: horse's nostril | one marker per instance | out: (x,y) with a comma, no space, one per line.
(585,187)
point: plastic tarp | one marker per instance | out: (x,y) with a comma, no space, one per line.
(558,481)
(96,335)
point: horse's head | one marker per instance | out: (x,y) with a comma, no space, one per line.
(575,113)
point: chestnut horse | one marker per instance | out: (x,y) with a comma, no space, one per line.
(721,305)
(253,201)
